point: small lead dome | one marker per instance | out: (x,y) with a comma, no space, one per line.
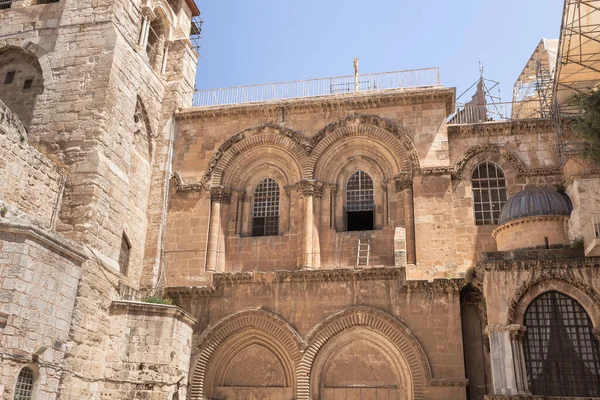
(535,201)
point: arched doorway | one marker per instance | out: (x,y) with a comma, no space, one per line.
(562,355)
(360,364)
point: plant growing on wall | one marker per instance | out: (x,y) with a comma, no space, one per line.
(587,126)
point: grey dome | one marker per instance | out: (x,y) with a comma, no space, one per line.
(535,201)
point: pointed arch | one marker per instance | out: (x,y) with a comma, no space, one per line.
(239,331)
(378,321)
(554,280)
(384,132)
(288,142)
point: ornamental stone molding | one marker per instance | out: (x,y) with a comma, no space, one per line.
(235,325)
(342,102)
(185,188)
(561,280)
(449,382)
(306,152)
(380,322)
(306,188)
(503,128)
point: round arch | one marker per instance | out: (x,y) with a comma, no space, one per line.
(576,288)
(385,325)
(251,327)
(272,136)
(501,156)
(372,129)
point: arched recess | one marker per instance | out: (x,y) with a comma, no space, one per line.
(269,138)
(557,281)
(372,130)
(249,338)
(21,81)
(140,159)
(372,325)
(507,160)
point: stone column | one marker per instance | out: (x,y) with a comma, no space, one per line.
(508,372)
(216,197)
(316,247)
(306,189)
(404,184)
(225,201)
(332,206)
(163,67)
(239,216)
(287,225)
(149,16)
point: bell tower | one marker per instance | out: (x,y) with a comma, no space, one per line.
(95,83)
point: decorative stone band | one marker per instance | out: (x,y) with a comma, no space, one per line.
(515,330)
(221,280)
(449,382)
(220,194)
(528,220)
(149,309)
(50,239)
(505,128)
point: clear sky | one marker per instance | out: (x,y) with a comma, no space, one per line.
(260,41)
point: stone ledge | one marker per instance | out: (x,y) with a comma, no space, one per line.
(532,397)
(224,279)
(502,128)
(155,310)
(53,240)
(349,101)
(549,264)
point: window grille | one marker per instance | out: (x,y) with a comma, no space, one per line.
(47,1)
(561,353)
(24,387)
(489,193)
(265,210)
(5,4)
(359,192)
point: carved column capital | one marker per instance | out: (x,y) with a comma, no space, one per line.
(306,188)
(288,189)
(220,194)
(148,14)
(596,333)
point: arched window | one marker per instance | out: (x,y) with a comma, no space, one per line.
(24,387)
(265,210)
(489,193)
(156,43)
(561,353)
(360,203)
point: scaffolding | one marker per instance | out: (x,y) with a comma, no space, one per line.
(577,68)
(195,32)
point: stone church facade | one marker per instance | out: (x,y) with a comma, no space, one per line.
(357,245)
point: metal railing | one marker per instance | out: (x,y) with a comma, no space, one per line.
(318,87)
(493,112)
(591,229)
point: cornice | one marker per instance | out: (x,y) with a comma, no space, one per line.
(149,309)
(502,128)
(222,280)
(547,264)
(341,102)
(527,220)
(53,240)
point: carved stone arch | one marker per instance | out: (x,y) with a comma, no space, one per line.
(373,319)
(256,161)
(554,280)
(491,152)
(162,10)
(250,326)
(142,124)
(373,128)
(263,137)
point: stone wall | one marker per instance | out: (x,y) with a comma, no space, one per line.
(30,180)
(304,303)
(148,352)
(39,278)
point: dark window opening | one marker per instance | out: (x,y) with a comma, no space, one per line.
(47,1)
(561,353)
(360,220)
(27,84)
(10,77)
(124,255)
(265,210)
(360,203)
(5,4)
(24,387)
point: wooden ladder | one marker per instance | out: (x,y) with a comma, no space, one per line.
(364,250)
